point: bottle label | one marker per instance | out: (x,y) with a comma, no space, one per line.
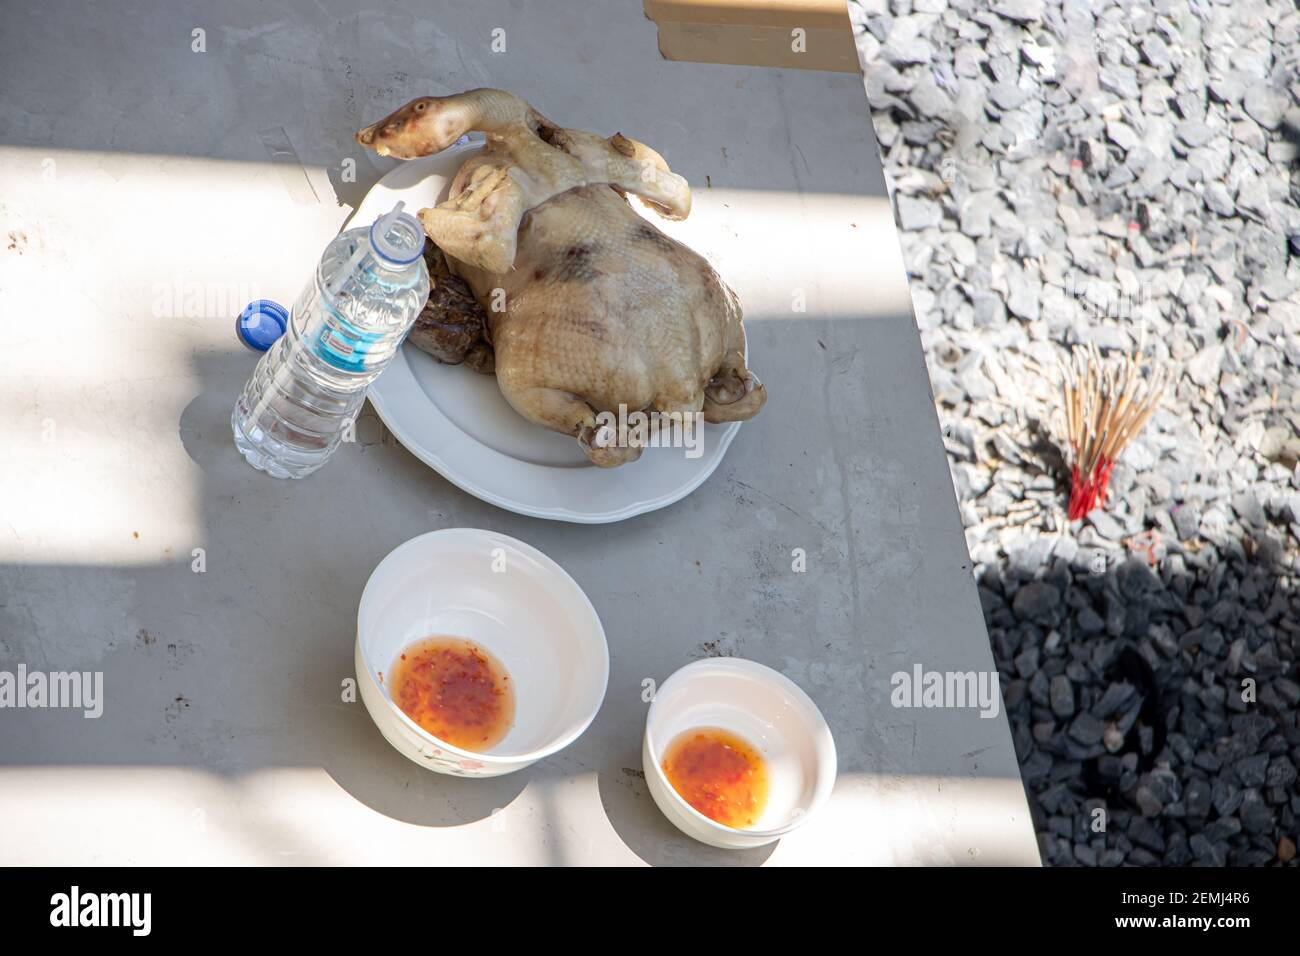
(345,347)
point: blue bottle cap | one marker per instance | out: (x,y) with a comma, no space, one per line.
(261,323)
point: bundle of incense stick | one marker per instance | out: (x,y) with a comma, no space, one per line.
(1107,403)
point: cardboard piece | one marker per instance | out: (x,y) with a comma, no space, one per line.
(791,34)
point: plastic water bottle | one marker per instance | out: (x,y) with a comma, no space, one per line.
(343,331)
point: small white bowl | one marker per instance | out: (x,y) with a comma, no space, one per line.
(506,597)
(766,709)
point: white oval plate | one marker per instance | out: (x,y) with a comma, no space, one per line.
(456,421)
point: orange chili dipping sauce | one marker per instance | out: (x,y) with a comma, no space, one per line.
(719,774)
(455,690)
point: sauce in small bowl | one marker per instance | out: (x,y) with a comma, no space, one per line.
(719,774)
(455,690)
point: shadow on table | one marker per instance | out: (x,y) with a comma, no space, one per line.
(647,833)
(240,668)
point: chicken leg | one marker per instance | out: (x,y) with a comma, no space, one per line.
(527,160)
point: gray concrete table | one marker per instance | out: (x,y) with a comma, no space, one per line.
(162,166)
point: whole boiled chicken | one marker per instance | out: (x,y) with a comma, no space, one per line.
(586,306)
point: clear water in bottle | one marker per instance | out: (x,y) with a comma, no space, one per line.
(343,331)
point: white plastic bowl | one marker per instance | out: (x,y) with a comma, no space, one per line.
(766,709)
(512,600)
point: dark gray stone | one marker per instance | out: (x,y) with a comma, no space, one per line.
(1087,729)
(1145,834)
(1037,601)
(1256,816)
(1252,771)
(1115,697)
(1062,696)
